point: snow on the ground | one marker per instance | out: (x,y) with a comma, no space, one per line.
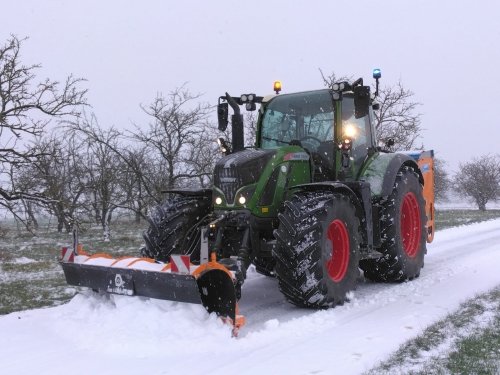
(123,335)
(24,260)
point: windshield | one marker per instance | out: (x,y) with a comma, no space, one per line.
(305,117)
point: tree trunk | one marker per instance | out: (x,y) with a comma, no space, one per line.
(33,222)
(106,220)
(481,203)
(60,224)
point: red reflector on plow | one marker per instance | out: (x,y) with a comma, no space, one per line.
(180,264)
(67,255)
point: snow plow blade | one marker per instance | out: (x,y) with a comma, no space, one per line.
(210,284)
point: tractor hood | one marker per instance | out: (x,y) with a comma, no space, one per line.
(240,169)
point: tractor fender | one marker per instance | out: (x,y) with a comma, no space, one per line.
(335,187)
(382,170)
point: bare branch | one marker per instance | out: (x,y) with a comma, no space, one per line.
(26,107)
(396,119)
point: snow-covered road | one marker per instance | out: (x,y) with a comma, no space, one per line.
(122,335)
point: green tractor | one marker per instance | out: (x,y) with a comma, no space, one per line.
(312,202)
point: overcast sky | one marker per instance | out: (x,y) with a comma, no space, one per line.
(446,52)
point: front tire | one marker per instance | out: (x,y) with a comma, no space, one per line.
(403,232)
(174,227)
(317,249)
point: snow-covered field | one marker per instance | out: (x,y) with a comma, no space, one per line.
(120,335)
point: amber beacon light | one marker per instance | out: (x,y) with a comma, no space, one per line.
(277,86)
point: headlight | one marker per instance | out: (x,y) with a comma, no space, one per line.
(245,195)
(350,131)
(218,200)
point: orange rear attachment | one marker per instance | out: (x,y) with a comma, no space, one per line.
(426,165)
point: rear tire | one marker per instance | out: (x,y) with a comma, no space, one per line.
(317,249)
(402,230)
(174,227)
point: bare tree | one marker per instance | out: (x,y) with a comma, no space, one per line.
(202,156)
(175,136)
(24,210)
(442,181)
(138,175)
(104,171)
(396,117)
(137,167)
(479,179)
(176,149)
(26,107)
(250,128)
(61,178)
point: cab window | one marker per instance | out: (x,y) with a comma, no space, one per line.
(357,129)
(304,117)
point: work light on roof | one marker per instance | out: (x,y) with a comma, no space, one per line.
(338,86)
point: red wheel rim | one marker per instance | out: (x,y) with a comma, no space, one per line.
(339,238)
(411,227)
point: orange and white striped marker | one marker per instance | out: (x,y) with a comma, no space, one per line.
(180,264)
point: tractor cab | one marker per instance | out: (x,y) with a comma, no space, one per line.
(308,119)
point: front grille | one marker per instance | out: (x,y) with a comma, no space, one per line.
(228,180)
(240,169)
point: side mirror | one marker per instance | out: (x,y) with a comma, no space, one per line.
(361,101)
(222,115)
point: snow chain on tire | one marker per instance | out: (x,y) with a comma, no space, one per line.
(174,227)
(305,269)
(402,230)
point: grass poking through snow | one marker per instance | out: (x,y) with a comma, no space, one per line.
(30,274)
(452,218)
(465,342)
